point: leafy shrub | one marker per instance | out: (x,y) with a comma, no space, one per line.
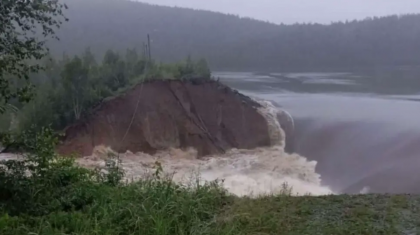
(45,193)
(42,181)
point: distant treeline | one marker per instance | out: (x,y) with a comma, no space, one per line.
(233,43)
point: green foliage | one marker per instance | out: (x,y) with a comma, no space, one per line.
(114,174)
(202,69)
(41,182)
(69,88)
(21,22)
(45,193)
(75,83)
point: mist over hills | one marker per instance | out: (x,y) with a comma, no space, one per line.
(229,42)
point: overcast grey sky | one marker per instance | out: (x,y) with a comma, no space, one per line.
(290,11)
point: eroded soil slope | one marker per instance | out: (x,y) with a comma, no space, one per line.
(205,115)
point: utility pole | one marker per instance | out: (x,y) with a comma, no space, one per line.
(148,46)
(144,50)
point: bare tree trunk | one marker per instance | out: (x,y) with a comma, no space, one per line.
(76,108)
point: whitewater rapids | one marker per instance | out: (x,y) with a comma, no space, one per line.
(262,171)
(253,173)
(257,172)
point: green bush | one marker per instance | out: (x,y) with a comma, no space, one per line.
(45,193)
(43,182)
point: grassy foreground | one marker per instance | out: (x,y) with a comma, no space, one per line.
(158,206)
(49,194)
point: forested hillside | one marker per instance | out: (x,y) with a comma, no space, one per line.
(231,42)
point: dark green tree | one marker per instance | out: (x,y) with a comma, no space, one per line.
(202,69)
(75,82)
(114,71)
(89,59)
(22,23)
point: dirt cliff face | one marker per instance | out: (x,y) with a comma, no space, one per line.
(158,115)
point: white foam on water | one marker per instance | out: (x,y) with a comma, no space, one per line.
(255,172)
(270,112)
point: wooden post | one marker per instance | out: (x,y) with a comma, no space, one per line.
(148,45)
